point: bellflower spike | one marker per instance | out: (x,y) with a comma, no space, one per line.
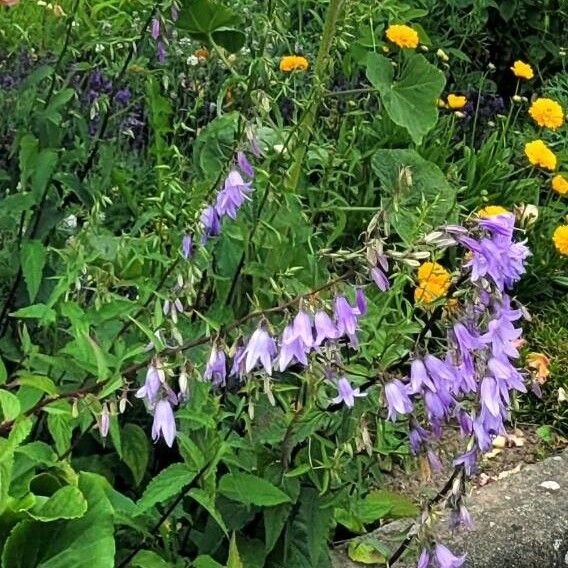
(398,401)
(346,393)
(260,348)
(187,247)
(446,559)
(325,328)
(164,423)
(419,377)
(216,369)
(244,165)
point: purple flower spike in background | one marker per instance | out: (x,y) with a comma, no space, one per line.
(398,401)
(155,28)
(211,223)
(361,301)
(346,393)
(161,52)
(260,349)
(174,13)
(164,423)
(244,165)
(187,247)
(446,559)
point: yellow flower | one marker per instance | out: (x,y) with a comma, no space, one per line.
(547,113)
(429,292)
(403,36)
(491,211)
(560,184)
(293,63)
(560,238)
(522,70)
(433,282)
(455,102)
(539,154)
(540,363)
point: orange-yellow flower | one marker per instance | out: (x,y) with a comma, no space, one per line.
(560,238)
(540,363)
(455,102)
(201,53)
(433,282)
(293,63)
(403,36)
(560,184)
(547,113)
(491,211)
(539,154)
(522,70)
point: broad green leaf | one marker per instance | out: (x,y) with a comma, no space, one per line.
(6,465)
(207,22)
(87,542)
(206,562)
(39,382)
(388,504)
(60,427)
(66,503)
(37,311)
(149,559)
(43,169)
(411,99)
(316,520)
(251,490)
(3,372)
(167,484)
(234,560)
(135,451)
(208,503)
(417,195)
(32,261)
(28,156)
(9,404)
(274,520)
(366,552)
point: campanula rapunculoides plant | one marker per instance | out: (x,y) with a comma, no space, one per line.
(229,304)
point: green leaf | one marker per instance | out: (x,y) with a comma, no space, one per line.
(61,429)
(207,22)
(135,451)
(6,465)
(9,404)
(37,311)
(167,484)
(43,169)
(206,562)
(87,542)
(411,99)
(274,520)
(251,490)
(386,504)
(3,372)
(149,559)
(33,261)
(317,522)
(39,382)
(208,503)
(66,503)
(366,552)
(234,560)
(417,195)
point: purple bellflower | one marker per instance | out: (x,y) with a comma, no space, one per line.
(346,393)
(380,279)
(424,560)
(155,28)
(292,348)
(346,319)
(211,223)
(155,378)
(260,348)
(446,559)
(244,165)
(216,369)
(187,247)
(325,328)
(398,401)
(164,422)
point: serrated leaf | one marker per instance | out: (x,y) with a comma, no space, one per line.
(66,503)
(149,559)
(365,553)
(167,484)
(37,311)
(208,503)
(411,99)
(387,503)
(9,404)
(251,490)
(205,561)
(32,261)
(39,382)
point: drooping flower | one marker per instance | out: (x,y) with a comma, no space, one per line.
(419,378)
(560,184)
(455,102)
(346,319)
(560,239)
(164,422)
(403,36)
(292,348)
(260,348)
(547,113)
(161,52)
(211,223)
(522,70)
(104,421)
(238,366)
(361,301)
(398,401)
(244,165)
(233,195)
(155,28)
(424,560)
(187,246)
(491,211)
(468,460)
(302,329)
(325,328)
(466,340)
(346,393)
(155,377)
(380,279)
(290,63)
(460,517)
(539,154)
(216,369)
(446,559)
(417,437)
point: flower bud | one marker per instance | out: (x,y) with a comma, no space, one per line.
(442,55)
(527,215)
(517,99)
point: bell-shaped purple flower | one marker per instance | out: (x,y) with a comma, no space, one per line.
(155,28)
(446,559)
(490,396)
(302,329)
(238,366)
(187,247)
(419,378)
(292,348)
(417,437)
(439,370)
(346,393)
(466,340)
(216,369)
(211,223)
(361,301)
(232,196)
(244,165)
(164,422)
(424,560)
(380,279)
(104,421)
(260,348)
(346,319)
(155,378)
(161,52)
(325,328)
(468,460)
(398,401)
